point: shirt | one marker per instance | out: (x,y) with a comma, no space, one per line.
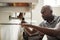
(51,25)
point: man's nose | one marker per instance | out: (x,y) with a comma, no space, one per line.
(45,14)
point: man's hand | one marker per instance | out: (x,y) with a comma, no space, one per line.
(22,24)
(25,25)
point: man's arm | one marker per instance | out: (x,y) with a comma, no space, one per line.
(32,32)
(27,29)
(50,32)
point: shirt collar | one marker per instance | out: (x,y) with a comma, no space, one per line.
(55,18)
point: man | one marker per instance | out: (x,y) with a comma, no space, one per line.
(48,26)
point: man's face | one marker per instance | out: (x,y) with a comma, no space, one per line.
(46,13)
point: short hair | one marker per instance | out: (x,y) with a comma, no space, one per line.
(46,6)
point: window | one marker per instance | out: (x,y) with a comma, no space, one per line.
(53,3)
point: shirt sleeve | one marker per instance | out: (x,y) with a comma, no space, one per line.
(58,26)
(58,29)
(41,25)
